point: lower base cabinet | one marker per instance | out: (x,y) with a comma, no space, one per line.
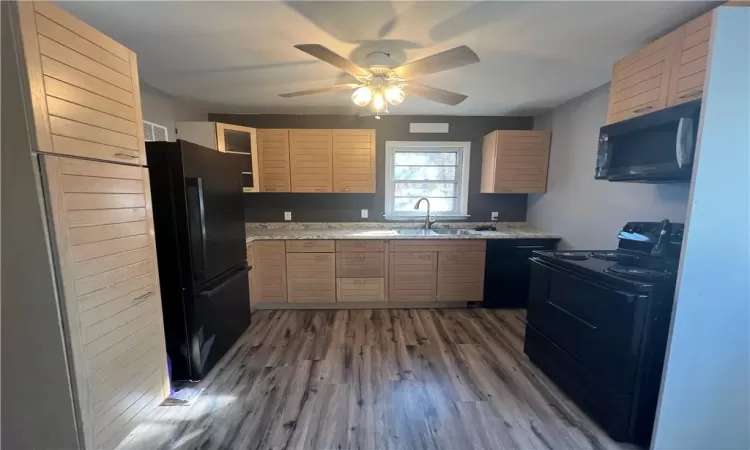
(460,276)
(413,277)
(311,277)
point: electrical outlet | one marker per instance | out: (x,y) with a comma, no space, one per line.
(287,215)
(365,213)
(494,216)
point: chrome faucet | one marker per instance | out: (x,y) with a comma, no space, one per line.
(427,222)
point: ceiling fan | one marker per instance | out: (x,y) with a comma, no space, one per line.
(380,84)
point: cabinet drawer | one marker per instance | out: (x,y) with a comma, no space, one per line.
(438,245)
(360,265)
(311,277)
(310,245)
(360,246)
(360,289)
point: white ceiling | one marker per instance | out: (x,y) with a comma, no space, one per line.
(237,56)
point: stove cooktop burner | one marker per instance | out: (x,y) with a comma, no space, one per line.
(638,273)
(575,256)
(607,256)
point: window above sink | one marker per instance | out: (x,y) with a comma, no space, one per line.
(438,171)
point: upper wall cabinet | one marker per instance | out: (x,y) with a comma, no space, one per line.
(235,139)
(311,160)
(640,81)
(690,60)
(666,72)
(85,96)
(273,160)
(354,161)
(515,162)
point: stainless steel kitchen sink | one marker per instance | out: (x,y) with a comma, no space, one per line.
(413,232)
(453,231)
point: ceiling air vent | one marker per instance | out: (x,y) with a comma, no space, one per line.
(153,132)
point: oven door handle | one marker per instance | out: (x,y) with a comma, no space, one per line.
(561,309)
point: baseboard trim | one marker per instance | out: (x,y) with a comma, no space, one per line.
(360,305)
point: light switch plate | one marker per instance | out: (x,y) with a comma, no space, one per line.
(494,216)
(365,213)
(287,215)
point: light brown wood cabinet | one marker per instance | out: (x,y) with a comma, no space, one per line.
(103,230)
(413,276)
(690,60)
(667,72)
(311,277)
(316,160)
(515,161)
(85,96)
(273,160)
(460,276)
(268,276)
(360,290)
(354,165)
(311,160)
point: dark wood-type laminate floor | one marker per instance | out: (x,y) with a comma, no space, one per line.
(382,379)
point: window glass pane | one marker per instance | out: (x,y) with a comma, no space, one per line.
(436,173)
(425,190)
(425,158)
(406,204)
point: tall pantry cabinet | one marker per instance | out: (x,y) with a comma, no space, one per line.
(84,108)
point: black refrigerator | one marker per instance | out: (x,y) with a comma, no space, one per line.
(199,224)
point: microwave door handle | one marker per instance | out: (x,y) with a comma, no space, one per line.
(684,143)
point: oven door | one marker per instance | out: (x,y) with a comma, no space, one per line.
(596,324)
(656,147)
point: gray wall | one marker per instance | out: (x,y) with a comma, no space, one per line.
(162,109)
(588,213)
(705,400)
(37,400)
(270,207)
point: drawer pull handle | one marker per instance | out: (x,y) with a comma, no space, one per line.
(125,156)
(320,258)
(692,94)
(563,310)
(345,190)
(645,108)
(308,244)
(143,297)
(425,257)
(359,281)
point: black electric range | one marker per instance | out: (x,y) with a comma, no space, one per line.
(598,321)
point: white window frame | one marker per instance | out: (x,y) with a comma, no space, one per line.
(462,171)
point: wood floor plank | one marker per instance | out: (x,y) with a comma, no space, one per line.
(376,379)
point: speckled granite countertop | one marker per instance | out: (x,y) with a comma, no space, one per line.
(385,230)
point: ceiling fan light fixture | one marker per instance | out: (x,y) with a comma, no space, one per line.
(362,96)
(378,101)
(395,95)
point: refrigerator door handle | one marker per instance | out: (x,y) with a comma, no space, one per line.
(196,225)
(227,281)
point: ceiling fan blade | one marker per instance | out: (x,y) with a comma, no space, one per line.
(338,87)
(434,94)
(449,59)
(332,58)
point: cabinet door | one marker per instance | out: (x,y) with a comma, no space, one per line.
(690,60)
(311,277)
(103,233)
(521,162)
(413,277)
(243,142)
(640,81)
(354,161)
(310,153)
(273,159)
(268,274)
(460,276)
(84,87)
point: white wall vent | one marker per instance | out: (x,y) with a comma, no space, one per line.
(153,132)
(428,127)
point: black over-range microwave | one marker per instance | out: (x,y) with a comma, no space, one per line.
(653,148)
